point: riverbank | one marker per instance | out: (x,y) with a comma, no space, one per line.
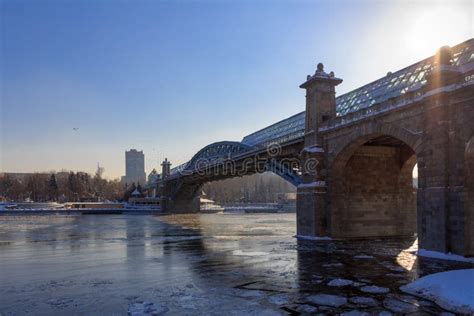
(98,211)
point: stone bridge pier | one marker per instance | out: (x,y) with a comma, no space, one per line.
(181,198)
(361,184)
(177,196)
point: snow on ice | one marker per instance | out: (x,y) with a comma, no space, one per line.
(443,256)
(452,290)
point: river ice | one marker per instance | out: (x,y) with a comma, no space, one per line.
(210,264)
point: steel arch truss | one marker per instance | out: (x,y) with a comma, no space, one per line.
(286,170)
(215,153)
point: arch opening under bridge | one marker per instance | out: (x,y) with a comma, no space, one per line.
(371,191)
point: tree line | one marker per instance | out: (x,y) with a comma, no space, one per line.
(81,186)
(60,187)
(257,188)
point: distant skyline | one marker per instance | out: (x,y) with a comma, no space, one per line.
(170,77)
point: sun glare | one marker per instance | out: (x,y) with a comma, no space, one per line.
(438,24)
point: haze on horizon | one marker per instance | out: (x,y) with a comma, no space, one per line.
(171,77)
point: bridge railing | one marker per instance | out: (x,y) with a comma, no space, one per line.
(176,170)
(415,94)
(375,109)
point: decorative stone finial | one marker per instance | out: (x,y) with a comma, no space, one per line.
(319,76)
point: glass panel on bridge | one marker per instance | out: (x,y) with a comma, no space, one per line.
(391,86)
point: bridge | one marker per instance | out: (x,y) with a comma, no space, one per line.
(351,157)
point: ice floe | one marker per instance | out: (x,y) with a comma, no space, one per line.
(374,289)
(398,306)
(340,282)
(250,293)
(355,313)
(365,301)
(305,308)
(278,299)
(327,300)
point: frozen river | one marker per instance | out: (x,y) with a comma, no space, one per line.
(215,264)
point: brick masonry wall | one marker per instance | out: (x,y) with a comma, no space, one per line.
(376,197)
(469,199)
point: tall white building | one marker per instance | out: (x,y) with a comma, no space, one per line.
(134,167)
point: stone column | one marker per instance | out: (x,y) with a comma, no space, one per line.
(165,168)
(163,189)
(440,208)
(312,217)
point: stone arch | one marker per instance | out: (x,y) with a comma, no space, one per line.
(371,130)
(370,185)
(469,197)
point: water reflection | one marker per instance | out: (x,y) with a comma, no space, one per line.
(209,263)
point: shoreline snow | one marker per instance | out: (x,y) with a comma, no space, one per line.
(452,290)
(443,256)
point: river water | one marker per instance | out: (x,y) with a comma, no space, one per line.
(214,264)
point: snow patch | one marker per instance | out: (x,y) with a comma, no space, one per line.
(452,290)
(443,256)
(327,300)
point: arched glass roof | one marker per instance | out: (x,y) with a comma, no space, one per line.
(392,85)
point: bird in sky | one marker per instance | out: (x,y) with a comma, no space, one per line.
(75,129)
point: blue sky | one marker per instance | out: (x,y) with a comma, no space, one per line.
(169,77)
